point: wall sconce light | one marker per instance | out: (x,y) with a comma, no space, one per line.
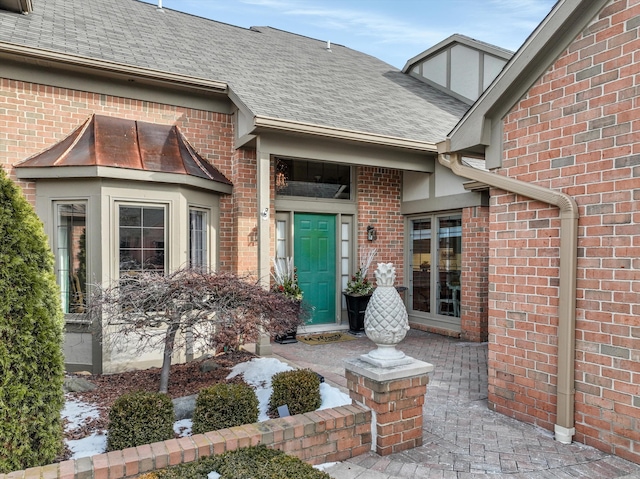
(371,233)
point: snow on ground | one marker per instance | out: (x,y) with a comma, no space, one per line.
(257,373)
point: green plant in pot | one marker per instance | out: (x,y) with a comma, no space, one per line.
(285,281)
(359,290)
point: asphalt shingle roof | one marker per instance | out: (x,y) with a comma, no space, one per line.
(274,73)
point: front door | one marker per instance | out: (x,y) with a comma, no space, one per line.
(315,259)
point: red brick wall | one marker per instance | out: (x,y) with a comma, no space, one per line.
(576,131)
(379,205)
(330,435)
(475,274)
(239,225)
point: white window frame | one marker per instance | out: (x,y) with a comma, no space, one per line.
(167,247)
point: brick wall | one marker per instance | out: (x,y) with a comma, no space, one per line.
(379,205)
(576,131)
(475,274)
(330,435)
(35,117)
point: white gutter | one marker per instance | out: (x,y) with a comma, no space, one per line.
(565,424)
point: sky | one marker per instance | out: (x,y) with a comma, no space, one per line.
(392,30)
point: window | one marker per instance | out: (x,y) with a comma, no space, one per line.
(345,255)
(312,179)
(71,255)
(142,238)
(421,265)
(436,250)
(198,224)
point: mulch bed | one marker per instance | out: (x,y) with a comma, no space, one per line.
(185,380)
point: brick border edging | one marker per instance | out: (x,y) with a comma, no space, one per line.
(329,435)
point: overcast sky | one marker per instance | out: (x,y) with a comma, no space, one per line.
(391,30)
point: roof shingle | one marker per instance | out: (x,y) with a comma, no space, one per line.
(274,73)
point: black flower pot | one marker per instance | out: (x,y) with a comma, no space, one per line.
(356,306)
(290,336)
(287,338)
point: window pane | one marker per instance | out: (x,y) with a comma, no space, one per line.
(312,179)
(71,255)
(421,265)
(281,239)
(153,238)
(153,217)
(449,265)
(198,220)
(130,237)
(130,216)
(153,259)
(142,238)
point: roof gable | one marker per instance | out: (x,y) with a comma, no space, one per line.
(459,65)
(481,125)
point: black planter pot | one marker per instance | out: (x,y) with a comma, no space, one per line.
(356,306)
(288,338)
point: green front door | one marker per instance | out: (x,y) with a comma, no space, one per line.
(315,259)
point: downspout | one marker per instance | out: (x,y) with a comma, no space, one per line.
(565,426)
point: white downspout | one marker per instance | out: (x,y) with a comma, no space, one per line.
(565,425)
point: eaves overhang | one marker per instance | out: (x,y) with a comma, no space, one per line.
(263,123)
(84,172)
(113,68)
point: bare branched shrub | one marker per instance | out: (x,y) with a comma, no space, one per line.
(217,310)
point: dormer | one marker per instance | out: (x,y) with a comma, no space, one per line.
(460,66)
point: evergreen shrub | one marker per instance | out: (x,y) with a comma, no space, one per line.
(31,322)
(298,389)
(140,418)
(255,462)
(224,405)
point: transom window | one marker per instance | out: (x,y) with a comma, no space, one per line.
(312,179)
(142,238)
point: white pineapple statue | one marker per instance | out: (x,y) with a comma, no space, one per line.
(386,321)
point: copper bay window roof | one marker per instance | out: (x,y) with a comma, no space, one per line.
(103,141)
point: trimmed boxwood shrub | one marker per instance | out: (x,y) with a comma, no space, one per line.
(256,462)
(298,389)
(31,322)
(224,405)
(140,418)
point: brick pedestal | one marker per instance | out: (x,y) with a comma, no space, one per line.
(395,397)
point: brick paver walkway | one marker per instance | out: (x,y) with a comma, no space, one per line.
(462,438)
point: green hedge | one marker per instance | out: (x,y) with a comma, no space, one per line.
(224,405)
(248,463)
(140,418)
(298,389)
(31,322)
